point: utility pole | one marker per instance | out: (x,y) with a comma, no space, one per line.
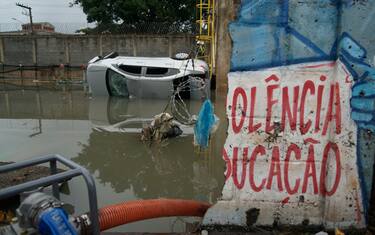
(30,15)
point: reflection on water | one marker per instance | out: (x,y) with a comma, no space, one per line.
(102,134)
(169,171)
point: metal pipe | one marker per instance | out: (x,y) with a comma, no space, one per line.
(93,201)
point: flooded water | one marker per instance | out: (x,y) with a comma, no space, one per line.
(102,134)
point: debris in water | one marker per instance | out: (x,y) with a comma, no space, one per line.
(6,216)
(161,127)
(339,232)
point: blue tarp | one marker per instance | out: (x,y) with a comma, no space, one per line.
(204,125)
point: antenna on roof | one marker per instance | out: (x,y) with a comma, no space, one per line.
(24,12)
(27,14)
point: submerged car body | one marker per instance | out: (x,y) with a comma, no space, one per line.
(117,115)
(147,77)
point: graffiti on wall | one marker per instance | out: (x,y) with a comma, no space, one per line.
(301,105)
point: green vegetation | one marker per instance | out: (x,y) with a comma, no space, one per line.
(112,15)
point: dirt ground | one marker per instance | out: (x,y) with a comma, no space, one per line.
(23,175)
(9,205)
(14,178)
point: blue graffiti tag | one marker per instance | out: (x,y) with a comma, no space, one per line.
(363,107)
(266,35)
(363,95)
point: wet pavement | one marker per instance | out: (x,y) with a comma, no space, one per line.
(103,135)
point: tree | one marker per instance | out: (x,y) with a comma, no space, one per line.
(135,12)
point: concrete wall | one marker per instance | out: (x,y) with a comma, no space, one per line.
(301,92)
(77,50)
(226,12)
(17,50)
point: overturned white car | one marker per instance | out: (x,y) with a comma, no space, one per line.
(148,77)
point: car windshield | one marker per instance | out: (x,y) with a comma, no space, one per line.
(116,84)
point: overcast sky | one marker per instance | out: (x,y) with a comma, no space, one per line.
(43,10)
(65,19)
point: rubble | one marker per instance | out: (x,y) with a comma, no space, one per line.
(162,127)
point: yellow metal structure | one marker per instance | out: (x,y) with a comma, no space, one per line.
(206,32)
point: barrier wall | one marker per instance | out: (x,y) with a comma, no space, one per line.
(301,104)
(79,49)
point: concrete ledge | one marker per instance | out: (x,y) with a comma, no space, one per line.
(257,217)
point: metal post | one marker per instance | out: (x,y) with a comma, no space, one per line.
(2,75)
(101,45)
(31,21)
(201,17)
(93,201)
(2,59)
(69,72)
(84,81)
(7,104)
(35,58)
(134,45)
(170,52)
(55,186)
(213,40)
(30,15)
(21,75)
(40,112)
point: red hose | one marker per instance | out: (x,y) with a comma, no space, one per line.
(127,212)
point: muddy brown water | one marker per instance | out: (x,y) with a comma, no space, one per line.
(102,135)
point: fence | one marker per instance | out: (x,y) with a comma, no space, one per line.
(52,77)
(85,28)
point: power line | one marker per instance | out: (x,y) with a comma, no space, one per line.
(51,5)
